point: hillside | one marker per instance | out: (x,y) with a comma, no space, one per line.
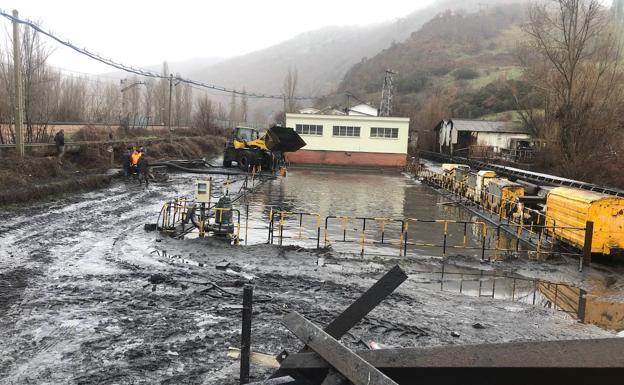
(472,52)
(322,57)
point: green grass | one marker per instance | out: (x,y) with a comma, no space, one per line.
(507,72)
(515,116)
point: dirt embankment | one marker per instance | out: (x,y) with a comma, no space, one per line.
(33,178)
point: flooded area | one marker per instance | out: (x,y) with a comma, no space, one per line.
(383,198)
(87,296)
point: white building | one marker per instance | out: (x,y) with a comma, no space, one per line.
(350,140)
(456,135)
(363,109)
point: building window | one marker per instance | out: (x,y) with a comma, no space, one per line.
(384,132)
(347,131)
(309,129)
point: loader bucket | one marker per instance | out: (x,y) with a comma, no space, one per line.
(283,139)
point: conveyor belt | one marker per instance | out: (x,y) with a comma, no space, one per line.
(529,176)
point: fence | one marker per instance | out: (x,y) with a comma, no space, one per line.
(401,237)
(555,295)
(525,225)
(287,228)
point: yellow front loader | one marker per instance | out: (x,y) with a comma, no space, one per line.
(248,148)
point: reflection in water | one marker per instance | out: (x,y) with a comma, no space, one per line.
(363,194)
(395,196)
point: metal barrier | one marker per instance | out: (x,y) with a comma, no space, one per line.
(372,234)
(362,238)
(282,215)
(445,245)
(555,295)
(509,215)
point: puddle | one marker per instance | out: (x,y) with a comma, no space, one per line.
(177,258)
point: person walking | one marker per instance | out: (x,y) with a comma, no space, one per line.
(126,161)
(59,141)
(143,168)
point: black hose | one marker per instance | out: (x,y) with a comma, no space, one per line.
(201,162)
(197,170)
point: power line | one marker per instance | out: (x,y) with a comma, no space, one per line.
(145,72)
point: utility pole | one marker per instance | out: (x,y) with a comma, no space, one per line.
(387,93)
(348,103)
(169,114)
(17,70)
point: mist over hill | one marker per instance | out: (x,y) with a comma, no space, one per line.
(329,60)
(322,57)
(455,49)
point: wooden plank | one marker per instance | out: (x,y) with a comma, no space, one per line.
(341,358)
(267,360)
(278,381)
(590,353)
(366,303)
(361,307)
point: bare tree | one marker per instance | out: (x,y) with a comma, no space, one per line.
(244,107)
(290,89)
(233,110)
(433,109)
(204,112)
(149,98)
(572,61)
(187,104)
(162,97)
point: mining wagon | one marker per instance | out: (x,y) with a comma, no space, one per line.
(569,209)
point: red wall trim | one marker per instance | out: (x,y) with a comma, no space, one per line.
(344,158)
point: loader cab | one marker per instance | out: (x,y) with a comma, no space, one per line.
(245,134)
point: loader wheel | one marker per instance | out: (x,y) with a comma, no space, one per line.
(244,162)
(227,163)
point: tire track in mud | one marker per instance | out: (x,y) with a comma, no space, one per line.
(55,309)
(98,308)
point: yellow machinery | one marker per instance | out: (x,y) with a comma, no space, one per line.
(450,170)
(502,195)
(248,148)
(481,183)
(569,209)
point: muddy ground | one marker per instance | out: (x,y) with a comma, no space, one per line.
(40,177)
(88,297)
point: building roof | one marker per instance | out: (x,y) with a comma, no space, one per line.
(363,109)
(485,126)
(352,118)
(583,196)
(309,110)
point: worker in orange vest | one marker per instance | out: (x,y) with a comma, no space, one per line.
(134,159)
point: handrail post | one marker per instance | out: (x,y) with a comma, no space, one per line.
(587,245)
(246,334)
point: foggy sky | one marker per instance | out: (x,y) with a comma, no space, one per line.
(141,32)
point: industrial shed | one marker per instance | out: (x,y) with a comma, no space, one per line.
(350,140)
(471,137)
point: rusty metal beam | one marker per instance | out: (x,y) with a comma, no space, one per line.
(341,358)
(573,362)
(594,353)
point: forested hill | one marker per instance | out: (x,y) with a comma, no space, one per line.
(455,49)
(323,56)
